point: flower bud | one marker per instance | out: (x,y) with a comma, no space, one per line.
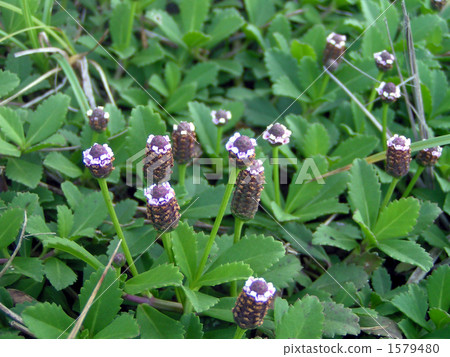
(220,117)
(158,161)
(242,149)
(438,4)
(247,191)
(184,141)
(384,60)
(388,92)
(163,210)
(98,119)
(277,134)
(398,156)
(119,260)
(429,157)
(334,50)
(252,303)
(98,159)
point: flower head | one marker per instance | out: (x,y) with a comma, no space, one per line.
(98,119)
(158,195)
(429,157)
(259,289)
(384,60)
(98,159)
(163,210)
(438,4)
(336,40)
(277,134)
(220,117)
(158,159)
(241,148)
(398,156)
(388,92)
(158,143)
(334,50)
(184,139)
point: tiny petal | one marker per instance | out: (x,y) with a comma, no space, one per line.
(388,92)
(277,134)
(384,60)
(242,149)
(220,117)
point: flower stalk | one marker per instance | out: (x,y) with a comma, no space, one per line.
(238,224)
(413,181)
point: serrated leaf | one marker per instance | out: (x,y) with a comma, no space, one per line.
(224,23)
(167,25)
(31,267)
(181,97)
(185,250)
(11,125)
(429,211)
(195,39)
(413,304)
(283,272)
(201,302)
(24,172)
(364,191)
(440,317)
(344,237)
(279,64)
(339,320)
(65,221)
(381,281)
(72,248)
(225,273)
(204,74)
(259,11)
(47,118)
(172,75)
(437,285)
(323,207)
(162,275)
(116,119)
(58,273)
(304,319)
(155,324)
(47,321)
(8,81)
(192,325)
(7,149)
(123,326)
(121,25)
(88,216)
(58,162)
(353,148)
(204,127)
(407,252)
(10,221)
(258,251)
(72,193)
(300,50)
(107,302)
(397,219)
(193,14)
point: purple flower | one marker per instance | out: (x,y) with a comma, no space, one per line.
(384,60)
(399,143)
(98,159)
(277,134)
(388,92)
(220,117)
(158,195)
(259,289)
(158,143)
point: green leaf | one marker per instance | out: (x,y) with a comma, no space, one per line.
(204,127)
(339,320)
(193,14)
(258,251)
(172,75)
(440,317)
(72,193)
(121,25)
(185,250)
(106,304)
(225,273)
(116,119)
(72,248)
(48,118)
(192,325)
(437,284)
(300,50)
(259,11)
(224,23)
(407,252)
(11,125)
(222,310)
(181,97)
(88,216)
(10,221)
(123,326)
(381,281)
(397,219)
(344,237)
(167,25)
(47,321)
(7,149)
(204,74)
(160,276)
(413,304)
(279,64)
(356,147)
(364,191)
(195,39)
(428,213)
(31,267)
(283,272)
(305,319)
(58,162)
(65,221)
(8,81)
(201,302)
(58,273)
(24,172)
(155,324)
(143,121)
(316,141)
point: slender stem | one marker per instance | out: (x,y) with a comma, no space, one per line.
(384,123)
(181,174)
(239,333)
(167,243)
(226,197)
(276,176)
(112,213)
(219,139)
(238,224)
(373,94)
(94,137)
(413,181)
(389,192)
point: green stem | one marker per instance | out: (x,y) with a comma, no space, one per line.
(276,176)
(6,253)
(167,243)
(112,213)
(325,81)
(389,192)
(226,197)
(384,123)
(239,333)
(219,139)
(238,224)
(94,138)
(413,181)
(374,93)
(181,174)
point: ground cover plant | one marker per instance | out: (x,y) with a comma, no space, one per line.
(224,169)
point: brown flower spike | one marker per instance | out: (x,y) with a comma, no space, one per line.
(242,149)
(398,156)
(334,50)
(98,159)
(429,157)
(158,161)
(98,119)
(184,141)
(163,210)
